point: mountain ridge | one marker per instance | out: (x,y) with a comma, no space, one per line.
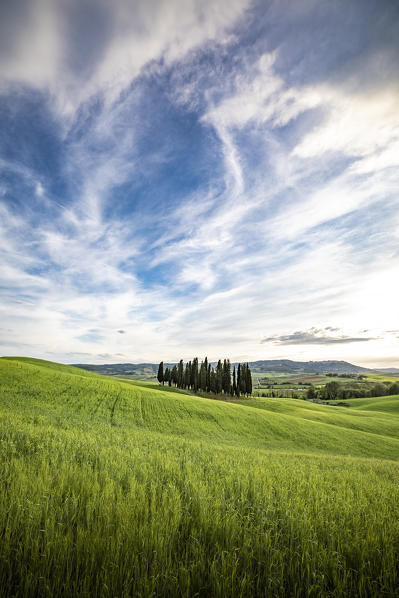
(287,366)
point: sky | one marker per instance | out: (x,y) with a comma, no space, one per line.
(184,178)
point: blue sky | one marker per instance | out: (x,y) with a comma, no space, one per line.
(199,178)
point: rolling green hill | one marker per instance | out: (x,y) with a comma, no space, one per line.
(117,488)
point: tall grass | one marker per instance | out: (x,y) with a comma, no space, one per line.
(110,501)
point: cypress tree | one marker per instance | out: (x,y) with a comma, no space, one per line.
(160,373)
(228,377)
(212,380)
(238,380)
(208,378)
(187,375)
(173,375)
(202,376)
(219,377)
(194,374)
(224,376)
(234,381)
(166,375)
(249,380)
(180,374)
(243,380)
(226,381)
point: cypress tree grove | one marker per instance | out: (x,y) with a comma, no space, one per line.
(207,378)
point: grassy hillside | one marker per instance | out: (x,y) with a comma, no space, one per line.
(372,415)
(381,404)
(50,365)
(118,488)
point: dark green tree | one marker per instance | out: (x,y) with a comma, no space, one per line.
(238,391)
(180,374)
(234,390)
(202,375)
(160,373)
(187,375)
(331,390)
(243,380)
(310,393)
(379,390)
(394,388)
(173,375)
(212,381)
(248,380)
(226,377)
(219,377)
(194,374)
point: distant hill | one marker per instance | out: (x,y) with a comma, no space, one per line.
(148,371)
(310,367)
(142,371)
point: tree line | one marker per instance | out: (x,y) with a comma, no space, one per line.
(333,390)
(206,378)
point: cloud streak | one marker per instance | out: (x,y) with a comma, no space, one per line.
(315,336)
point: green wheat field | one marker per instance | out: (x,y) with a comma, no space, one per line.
(117,488)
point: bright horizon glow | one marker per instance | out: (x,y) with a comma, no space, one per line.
(183,179)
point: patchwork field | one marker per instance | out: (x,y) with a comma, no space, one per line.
(279,384)
(116,488)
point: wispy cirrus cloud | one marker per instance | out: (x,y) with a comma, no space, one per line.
(78,51)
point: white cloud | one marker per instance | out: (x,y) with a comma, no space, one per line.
(134,34)
(261,96)
(365,128)
(356,125)
(34,54)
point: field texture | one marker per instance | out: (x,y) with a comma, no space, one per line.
(115,488)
